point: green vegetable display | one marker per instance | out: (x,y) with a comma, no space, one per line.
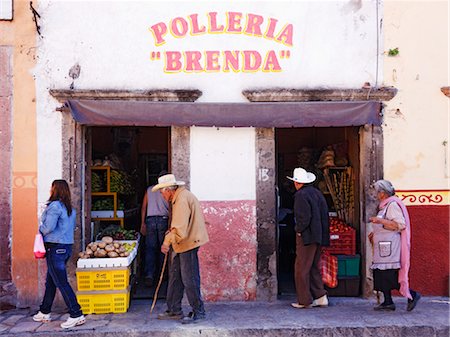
(118,233)
(121,183)
(97,183)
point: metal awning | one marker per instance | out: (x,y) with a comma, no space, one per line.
(279,115)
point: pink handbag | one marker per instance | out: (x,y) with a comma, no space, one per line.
(39,248)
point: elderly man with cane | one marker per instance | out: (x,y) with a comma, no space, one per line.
(186,234)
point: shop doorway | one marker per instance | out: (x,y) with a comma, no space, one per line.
(333,155)
(123,162)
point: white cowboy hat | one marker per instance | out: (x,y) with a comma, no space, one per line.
(166,181)
(302,177)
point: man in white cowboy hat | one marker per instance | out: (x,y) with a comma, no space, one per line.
(312,232)
(186,234)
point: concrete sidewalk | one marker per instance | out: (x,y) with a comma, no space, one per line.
(344,317)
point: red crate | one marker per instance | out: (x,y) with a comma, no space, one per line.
(343,243)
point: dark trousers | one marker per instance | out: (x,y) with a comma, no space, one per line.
(156,229)
(308,279)
(184,275)
(386,281)
(57,256)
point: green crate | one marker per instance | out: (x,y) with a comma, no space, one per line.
(348,265)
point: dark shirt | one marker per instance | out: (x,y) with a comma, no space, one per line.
(311,216)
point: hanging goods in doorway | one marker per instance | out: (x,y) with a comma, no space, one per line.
(339,182)
(155,296)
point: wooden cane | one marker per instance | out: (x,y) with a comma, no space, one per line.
(155,296)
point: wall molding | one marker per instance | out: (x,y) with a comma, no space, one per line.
(63,95)
(312,95)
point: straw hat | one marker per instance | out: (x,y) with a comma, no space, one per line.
(166,181)
(302,176)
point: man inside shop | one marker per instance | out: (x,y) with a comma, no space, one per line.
(154,224)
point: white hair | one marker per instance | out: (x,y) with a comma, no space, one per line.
(385,186)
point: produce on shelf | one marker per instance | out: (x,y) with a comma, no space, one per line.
(106,204)
(108,248)
(118,233)
(121,183)
(103,204)
(338,226)
(97,183)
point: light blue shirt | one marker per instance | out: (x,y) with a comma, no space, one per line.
(56,226)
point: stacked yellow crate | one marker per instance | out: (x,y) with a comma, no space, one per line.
(103,290)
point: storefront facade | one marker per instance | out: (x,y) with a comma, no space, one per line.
(228,81)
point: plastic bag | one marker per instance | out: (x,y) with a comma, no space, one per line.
(39,248)
(329,269)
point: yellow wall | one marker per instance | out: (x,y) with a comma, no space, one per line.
(20,33)
(415,157)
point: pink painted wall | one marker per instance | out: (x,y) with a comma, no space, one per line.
(228,261)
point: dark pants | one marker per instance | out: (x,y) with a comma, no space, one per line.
(184,275)
(308,279)
(156,229)
(57,256)
(386,281)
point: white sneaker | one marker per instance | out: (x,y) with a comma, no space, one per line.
(321,302)
(40,317)
(71,322)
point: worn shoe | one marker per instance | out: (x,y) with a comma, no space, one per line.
(412,303)
(300,306)
(40,317)
(385,307)
(169,315)
(71,322)
(321,302)
(193,318)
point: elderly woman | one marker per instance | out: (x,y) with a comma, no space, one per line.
(391,248)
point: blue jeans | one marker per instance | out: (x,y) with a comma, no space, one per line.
(57,255)
(184,274)
(156,230)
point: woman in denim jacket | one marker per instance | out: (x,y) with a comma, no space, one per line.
(57,228)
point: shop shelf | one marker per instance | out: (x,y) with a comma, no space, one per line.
(104,302)
(348,265)
(102,278)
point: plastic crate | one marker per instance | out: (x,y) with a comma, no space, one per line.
(102,278)
(342,243)
(347,287)
(348,265)
(104,302)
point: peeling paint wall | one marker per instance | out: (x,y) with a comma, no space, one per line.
(19,36)
(417,131)
(223,178)
(228,261)
(417,119)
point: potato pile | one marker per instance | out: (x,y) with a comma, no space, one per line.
(107,247)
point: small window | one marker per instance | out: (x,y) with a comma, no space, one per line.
(6,9)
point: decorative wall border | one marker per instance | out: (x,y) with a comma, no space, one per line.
(425,197)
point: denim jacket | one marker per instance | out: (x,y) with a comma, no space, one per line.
(56,226)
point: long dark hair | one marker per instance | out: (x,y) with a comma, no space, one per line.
(61,192)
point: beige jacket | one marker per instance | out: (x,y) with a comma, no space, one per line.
(187,229)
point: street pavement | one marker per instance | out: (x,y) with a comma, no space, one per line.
(349,317)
